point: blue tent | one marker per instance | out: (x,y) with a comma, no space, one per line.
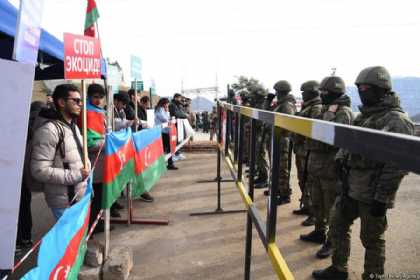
(51,50)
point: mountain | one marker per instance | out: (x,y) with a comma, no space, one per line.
(408,88)
(201,104)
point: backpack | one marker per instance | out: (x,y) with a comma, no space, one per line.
(27,179)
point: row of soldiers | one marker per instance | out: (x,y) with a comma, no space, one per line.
(337,187)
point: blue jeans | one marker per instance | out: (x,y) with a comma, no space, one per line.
(58,212)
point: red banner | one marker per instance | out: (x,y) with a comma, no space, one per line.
(82,57)
(173,137)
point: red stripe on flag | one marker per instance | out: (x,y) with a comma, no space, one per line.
(173,137)
(90,6)
(147,156)
(67,261)
(115,162)
(96,122)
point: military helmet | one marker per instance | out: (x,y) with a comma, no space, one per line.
(333,84)
(376,75)
(310,86)
(282,86)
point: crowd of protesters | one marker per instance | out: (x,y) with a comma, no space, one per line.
(54,151)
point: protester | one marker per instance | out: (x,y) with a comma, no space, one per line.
(57,152)
(142,106)
(50,102)
(176,109)
(213,123)
(162,116)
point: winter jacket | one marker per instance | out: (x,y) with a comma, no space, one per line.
(371,180)
(161,117)
(176,110)
(322,157)
(57,164)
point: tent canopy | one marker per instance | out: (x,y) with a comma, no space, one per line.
(51,50)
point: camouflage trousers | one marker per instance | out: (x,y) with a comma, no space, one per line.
(304,186)
(261,162)
(372,235)
(323,194)
(283,170)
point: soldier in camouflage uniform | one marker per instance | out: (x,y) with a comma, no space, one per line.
(258,94)
(372,185)
(322,176)
(244,94)
(311,108)
(286,104)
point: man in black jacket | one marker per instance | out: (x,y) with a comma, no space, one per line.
(176,109)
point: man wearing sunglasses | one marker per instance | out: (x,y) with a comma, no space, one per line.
(57,152)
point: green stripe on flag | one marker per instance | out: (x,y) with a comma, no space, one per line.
(74,271)
(93,137)
(112,191)
(148,178)
(91,18)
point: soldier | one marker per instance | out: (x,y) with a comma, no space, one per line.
(258,94)
(371,186)
(311,108)
(322,176)
(286,104)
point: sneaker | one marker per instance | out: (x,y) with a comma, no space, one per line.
(175,158)
(115,213)
(302,211)
(314,236)
(325,251)
(310,221)
(172,167)
(330,273)
(182,157)
(146,197)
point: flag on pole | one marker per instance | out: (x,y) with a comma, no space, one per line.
(95,124)
(118,166)
(150,159)
(92,15)
(63,248)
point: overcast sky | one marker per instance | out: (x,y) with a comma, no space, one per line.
(192,40)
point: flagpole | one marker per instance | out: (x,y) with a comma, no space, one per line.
(84,125)
(110,120)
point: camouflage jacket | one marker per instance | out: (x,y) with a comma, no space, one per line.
(286,105)
(310,109)
(321,159)
(369,179)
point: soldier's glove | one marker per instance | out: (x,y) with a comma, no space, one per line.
(378,209)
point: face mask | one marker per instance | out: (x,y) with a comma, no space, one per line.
(329,97)
(308,95)
(370,96)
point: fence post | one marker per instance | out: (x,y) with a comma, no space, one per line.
(236,130)
(274,186)
(248,245)
(219,156)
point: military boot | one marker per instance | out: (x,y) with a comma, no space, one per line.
(302,211)
(310,221)
(325,251)
(283,200)
(314,236)
(260,183)
(330,273)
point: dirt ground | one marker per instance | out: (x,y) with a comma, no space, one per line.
(213,246)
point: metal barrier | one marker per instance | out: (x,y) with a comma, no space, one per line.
(402,150)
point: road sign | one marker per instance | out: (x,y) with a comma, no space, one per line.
(82,57)
(28,31)
(140,85)
(114,77)
(136,66)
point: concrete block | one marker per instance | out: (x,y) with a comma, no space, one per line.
(119,264)
(94,254)
(90,273)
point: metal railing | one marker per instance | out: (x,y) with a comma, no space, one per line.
(402,150)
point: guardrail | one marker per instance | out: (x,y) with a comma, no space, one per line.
(402,150)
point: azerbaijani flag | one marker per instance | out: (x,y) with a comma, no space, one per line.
(95,124)
(63,248)
(92,15)
(118,165)
(150,159)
